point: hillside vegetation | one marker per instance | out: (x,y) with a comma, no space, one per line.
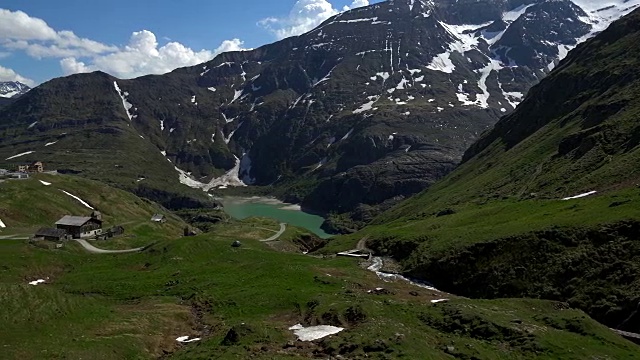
(241,302)
(27,205)
(497,227)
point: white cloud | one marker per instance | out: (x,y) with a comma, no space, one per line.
(19,25)
(304,16)
(230,45)
(142,56)
(73,66)
(356,4)
(10,75)
(19,31)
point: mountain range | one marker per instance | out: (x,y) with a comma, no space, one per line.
(524,229)
(12,89)
(545,204)
(372,106)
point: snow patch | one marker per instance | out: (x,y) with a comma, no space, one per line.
(403,84)
(312,333)
(125,103)
(37,282)
(581,195)
(50,143)
(464,41)
(320,164)
(367,106)
(2,225)
(45,183)
(231,178)
(514,14)
(237,94)
(442,62)
(32,125)
(513,97)
(19,155)
(224,116)
(325,78)
(186,179)
(80,200)
(227,139)
(347,135)
(439,301)
(186,339)
(224,64)
(482,100)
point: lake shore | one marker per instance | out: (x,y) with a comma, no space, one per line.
(257,206)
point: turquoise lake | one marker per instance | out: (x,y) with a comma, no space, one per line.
(242,208)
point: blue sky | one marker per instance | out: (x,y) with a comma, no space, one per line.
(42,39)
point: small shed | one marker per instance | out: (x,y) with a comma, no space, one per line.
(115,231)
(159,218)
(50,234)
(80,226)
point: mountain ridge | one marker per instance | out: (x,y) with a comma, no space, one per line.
(319,116)
(544,204)
(12,89)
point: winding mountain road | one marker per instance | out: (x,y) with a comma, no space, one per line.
(94,250)
(275,237)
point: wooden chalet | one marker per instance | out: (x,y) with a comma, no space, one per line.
(80,226)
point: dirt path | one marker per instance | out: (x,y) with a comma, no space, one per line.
(362,244)
(13,237)
(283,227)
(94,250)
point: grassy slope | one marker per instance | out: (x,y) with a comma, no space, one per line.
(134,306)
(27,205)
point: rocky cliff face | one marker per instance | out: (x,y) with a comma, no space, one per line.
(373,105)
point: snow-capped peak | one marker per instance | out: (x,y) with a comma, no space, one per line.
(11,89)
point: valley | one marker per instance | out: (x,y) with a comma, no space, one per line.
(409,179)
(374,105)
(241,302)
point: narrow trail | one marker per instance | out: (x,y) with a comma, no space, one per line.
(12,237)
(94,250)
(275,237)
(362,244)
